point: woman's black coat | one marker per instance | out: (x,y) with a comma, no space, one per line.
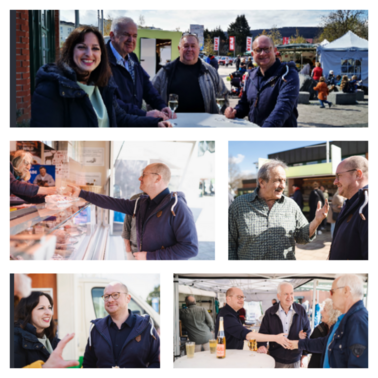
(27,347)
(58,101)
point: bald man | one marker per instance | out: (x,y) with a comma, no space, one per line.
(350,238)
(164,223)
(271,92)
(121,339)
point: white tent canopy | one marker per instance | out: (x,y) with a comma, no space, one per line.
(347,55)
(324,42)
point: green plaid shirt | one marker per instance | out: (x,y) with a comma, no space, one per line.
(257,233)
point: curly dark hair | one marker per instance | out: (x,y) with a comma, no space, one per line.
(101,75)
(23,312)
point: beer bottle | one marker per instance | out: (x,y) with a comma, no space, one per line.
(221,340)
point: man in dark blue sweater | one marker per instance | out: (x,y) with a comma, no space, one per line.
(122,339)
(350,238)
(133,82)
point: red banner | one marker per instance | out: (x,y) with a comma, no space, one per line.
(216,43)
(285,40)
(309,40)
(249,44)
(232,44)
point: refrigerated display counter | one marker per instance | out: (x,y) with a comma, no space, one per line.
(75,231)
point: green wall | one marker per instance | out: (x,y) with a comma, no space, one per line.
(309,170)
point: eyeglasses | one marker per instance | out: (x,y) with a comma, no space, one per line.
(260,51)
(115,296)
(332,291)
(142,173)
(238,297)
(338,174)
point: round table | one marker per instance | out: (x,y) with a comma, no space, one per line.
(208,120)
(234,359)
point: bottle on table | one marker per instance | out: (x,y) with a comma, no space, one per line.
(221,340)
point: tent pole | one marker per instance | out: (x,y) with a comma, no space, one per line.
(176,328)
(313,305)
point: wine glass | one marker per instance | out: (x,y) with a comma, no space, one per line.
(173,104)
(220,102)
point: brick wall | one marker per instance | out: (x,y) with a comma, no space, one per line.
(23,98)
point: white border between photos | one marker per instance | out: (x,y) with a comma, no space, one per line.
(222,137)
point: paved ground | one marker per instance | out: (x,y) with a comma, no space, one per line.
(312,116)
(317,250)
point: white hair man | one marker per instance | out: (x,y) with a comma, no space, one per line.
(132,80)
(346,345)
(121,339)
(287,317)
(198,322)
(350,237)
(265,224)
(196,83)
(164,223)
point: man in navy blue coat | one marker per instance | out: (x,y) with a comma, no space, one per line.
(121,339)
(346,345)
(271,92)
(133,82)
(350,238)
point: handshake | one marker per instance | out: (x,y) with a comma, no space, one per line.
(285,342)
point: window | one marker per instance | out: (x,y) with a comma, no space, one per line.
(350,67)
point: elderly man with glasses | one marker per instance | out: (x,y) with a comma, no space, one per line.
(271,92)
(234,330)
(164,223)
(346,345)
(121,339)
(350,238)
(196,83)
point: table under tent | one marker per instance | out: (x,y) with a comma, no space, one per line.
(259,290)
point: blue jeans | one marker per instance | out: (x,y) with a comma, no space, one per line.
(324,101)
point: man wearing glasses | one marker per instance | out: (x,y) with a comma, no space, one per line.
(350,238)
(346,345)
(271,92)
(122,339)
(196,83)
(133,82)
(164,223)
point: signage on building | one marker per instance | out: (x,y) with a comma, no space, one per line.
(198,29)
(285,40)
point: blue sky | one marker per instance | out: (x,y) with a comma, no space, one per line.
(172,19)
(245,154)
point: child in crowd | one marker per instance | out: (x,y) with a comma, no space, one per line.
(323,92)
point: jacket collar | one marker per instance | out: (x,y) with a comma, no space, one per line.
(359,305)
(113,60)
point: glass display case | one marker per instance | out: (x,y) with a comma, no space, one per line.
(75,231)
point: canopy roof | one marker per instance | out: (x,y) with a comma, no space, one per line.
(348,41)
(297,47)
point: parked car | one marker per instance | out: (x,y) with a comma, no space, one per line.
(222,60)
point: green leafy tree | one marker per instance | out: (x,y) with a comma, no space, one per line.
(275,35)
(153,294)
(208,46)
(241,30)
(337,23)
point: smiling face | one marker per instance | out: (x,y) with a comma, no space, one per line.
(87,54)
(124,39)
(265,59)
(148,179)
(286,296)
(116,306)
(273,189)
(346,182)
(234,302)
(42,314)
(189,50)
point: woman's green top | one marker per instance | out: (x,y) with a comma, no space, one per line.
(98,104)
(46,343)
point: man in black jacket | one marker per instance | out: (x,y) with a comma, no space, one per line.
(133,82)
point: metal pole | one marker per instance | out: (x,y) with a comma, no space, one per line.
(176,327)
(313,305)
(77,19)
(98,20)
(327,151)
(102,22)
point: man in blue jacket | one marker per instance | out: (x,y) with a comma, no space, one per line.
(346,345)
(271,92)
(350,238)
(164,223)
(122,339)
(133,82)
(290,318)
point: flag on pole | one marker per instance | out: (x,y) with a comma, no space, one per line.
(249,44)
(232,44)
(216,43)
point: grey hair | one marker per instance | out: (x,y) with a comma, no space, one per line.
(120,283)
(282,284)
(354,282)
(264,171)
(333,314)
(190,302)
(120,20)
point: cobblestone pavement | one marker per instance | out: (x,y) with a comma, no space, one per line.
(312,116)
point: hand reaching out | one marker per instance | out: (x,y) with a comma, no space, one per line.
(56,360)
(302,335)
(282,340)
(321,212)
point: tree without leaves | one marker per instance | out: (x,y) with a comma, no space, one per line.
(338,23)
(141,21)
(241,30)
(275,35)
(297,38)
